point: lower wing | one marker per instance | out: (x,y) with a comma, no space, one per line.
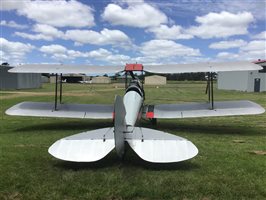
(189,110)
(45,109)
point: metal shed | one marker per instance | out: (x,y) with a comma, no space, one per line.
(18,81)
(249,81)
(155,80)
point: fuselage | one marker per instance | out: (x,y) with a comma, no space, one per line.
(133,101)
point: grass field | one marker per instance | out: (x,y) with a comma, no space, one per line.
(225,168)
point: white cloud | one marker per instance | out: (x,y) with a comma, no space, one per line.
(13,24)
(255,45)
(104,37)
(109,57)
(167,48)
(252,51)
(99,54)
(44,32)
(127,2)
(55,13)
(3,57)
(76,54)
(228,44)
(253,55)
(136,14)
(59,53)
(187,8)
(146,60)
(47,30)
(165,51)
(53,49)
(12,5)
(260,36)
(14,52)
(34,36)
(118,58)
(173,33)
(224,24)
(228,56)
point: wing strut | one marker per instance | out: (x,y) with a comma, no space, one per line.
(55,99)
(61,88)
(209,89)
(212,97)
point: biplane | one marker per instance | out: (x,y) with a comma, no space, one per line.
(149,144)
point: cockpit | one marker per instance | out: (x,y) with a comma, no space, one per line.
(136,85)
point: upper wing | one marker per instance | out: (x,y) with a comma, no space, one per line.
(202,67)
(163,69)
(189,110)
(65,69)
(45,109)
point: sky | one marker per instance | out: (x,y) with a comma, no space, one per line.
(116,32)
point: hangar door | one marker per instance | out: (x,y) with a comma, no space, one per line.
(257,85)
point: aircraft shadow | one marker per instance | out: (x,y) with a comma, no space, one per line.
(69,125)
(205,128)
(199,128)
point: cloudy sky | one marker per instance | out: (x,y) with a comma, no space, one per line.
(130,31)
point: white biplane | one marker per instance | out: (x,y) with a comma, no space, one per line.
(151,145)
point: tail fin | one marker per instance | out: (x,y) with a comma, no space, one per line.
(119,126)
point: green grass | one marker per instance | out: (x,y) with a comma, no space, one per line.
(222,169)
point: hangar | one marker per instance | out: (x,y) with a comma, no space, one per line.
(71,78)
(101,80)
(18,81)
(155,80)
(249,81)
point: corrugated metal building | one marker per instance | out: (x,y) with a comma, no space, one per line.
(18,81)
(155,80)
(249,81)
